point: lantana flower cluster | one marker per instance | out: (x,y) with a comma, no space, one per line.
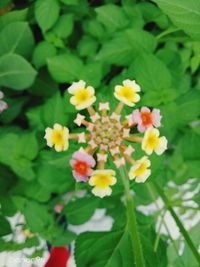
(108,133)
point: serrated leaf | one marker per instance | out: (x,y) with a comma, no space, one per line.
(151,73)
(179,11)
(106,249)
(125,46)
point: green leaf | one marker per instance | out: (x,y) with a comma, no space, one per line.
(17,38)
(15,153)
(195,62)
(106,249)
(32,190)
(44,81)
(80,210)
(37,217)
(15,107)
(20,202)
(190,145)
(46,13)
(14,246)
(125,46)
(70,2)
(42,53)
(151,73)
(112,17)
(7,206)
(179,11)
(87,46)
(64,26)
(65,68)
(16,15)
(16,72)
(51,165)
(5,3)
(188,105)
(53,111)
(61,237)
(92,73)
(94,28)
(5,228)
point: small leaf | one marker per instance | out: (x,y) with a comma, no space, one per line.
(16,72)
(80,210)
(46,13)
(5,228)
(64,26)
(65,68)
(16,38)
(42,52)
(112,17)
(37,217)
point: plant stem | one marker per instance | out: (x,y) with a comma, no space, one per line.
(131,221)
(152,194)
(159,231)
(166,32)
(178,222)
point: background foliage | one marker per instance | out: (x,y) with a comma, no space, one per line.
(46,45)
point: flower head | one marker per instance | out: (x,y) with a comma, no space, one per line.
(82,164)
(57,137)
(83,96)
(108,133)
(152,142)
(139,171)
(3,104)
(101,180)
(127,93)
(145,118)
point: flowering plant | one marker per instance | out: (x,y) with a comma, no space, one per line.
(109,133)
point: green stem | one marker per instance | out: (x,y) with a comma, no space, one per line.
(152,194)
(166,32)
(159,232)
(131,221)
(178,222)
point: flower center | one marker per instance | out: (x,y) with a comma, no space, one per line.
(107,132)
(128,93)
(146,118)
(57,137)
(82,95)
(152,141)
(81,167)
(102,180)
(140,170)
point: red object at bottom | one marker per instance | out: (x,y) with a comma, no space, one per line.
(58,257)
